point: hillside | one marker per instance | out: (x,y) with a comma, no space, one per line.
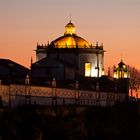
(70,123)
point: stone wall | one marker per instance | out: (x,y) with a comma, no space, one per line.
(21,94)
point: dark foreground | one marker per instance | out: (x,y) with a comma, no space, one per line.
(121,122)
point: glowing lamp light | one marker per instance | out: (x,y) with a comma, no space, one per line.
(125,75)
(115,75)
(103,72)
(124,66)
(87,69)
(94,72)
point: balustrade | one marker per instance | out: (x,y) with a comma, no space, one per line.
(58,96)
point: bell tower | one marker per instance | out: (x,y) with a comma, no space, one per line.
(121,70)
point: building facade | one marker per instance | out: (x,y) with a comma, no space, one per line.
(67,71)
(68,58)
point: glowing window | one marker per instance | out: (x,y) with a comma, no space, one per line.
(87,69)
(125,75)
(115,75)
(124,66)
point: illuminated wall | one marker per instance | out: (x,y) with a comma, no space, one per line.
(88,61)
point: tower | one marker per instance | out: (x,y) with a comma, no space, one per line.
(121,70)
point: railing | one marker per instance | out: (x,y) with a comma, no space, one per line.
(21,94)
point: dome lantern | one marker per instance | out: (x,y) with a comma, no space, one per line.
(70,29)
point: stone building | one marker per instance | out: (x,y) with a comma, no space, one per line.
(68,58)
(68,71)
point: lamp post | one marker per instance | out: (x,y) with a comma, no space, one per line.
(76,92)
(9,98)
(27,89)
(97,94)
(1,95)
(116,93)
(97,55)
(53,91)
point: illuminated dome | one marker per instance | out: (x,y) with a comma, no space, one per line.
(70,39)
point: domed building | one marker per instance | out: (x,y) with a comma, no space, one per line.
(70,39)
(68,57)
(68,71)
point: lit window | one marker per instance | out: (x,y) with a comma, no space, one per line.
(125,75)
(115,75)
(87,69)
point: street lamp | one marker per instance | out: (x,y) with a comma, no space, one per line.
(1,95)
(76,92)
(116,93)
(9,100)
(53,92)
(27,90)
(97,94)
(97,55)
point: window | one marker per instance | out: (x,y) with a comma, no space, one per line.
(87,69)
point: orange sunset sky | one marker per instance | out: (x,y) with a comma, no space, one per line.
(115,23)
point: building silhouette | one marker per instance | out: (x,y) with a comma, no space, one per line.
(121,70)
(12,72)
(68,58)
(67,71)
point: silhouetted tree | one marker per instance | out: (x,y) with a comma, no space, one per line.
(134,82)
